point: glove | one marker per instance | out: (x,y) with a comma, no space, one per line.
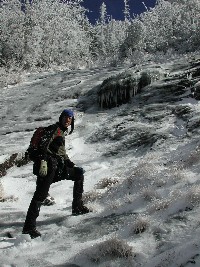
(79,171)
(43,168)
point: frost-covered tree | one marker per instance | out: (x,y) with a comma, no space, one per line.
(57,33)
(103,14)
(158,25)
(134,40)
(126,10)
(100,30)
(117,35)
(11,32)
(105,50)
(170,25)
(49,32)
(187,24)
(108,34)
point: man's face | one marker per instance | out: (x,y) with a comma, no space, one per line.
(66,121)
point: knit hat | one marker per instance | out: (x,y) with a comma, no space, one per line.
(67,113)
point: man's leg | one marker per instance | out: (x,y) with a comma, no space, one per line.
(41,192)
(76,174)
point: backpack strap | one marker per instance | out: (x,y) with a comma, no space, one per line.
(59,132)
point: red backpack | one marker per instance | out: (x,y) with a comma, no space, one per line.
(41,135)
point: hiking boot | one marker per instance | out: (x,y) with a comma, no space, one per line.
(79,208)
(49,201)
(34,233)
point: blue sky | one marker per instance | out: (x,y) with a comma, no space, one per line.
(115,7)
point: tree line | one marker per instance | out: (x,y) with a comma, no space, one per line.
(53,33)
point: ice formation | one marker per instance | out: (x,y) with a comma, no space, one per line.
(116,91)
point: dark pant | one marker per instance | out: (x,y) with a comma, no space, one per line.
(55,173)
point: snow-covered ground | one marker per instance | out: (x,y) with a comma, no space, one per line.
(142,162)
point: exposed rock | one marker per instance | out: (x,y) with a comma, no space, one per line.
(193,124)
(115,91)
(174,82)
(7,164)
(155,112)
(14,160)
(196,90)
(182,111)
(144,139)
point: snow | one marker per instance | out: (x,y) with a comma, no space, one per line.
(144,195)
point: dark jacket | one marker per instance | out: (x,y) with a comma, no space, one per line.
(51,146)
(54,142)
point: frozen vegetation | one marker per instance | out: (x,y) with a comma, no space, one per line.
(134,87)
(57,35)
(142,161)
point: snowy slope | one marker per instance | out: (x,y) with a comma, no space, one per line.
(142,163)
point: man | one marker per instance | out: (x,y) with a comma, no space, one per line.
(51,165)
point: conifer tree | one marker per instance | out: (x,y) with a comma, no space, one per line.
(46,33)
(126,10)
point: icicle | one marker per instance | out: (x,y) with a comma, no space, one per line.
(110,98)
(101,101)
(131,91)
(115,98)
(107,99)
(136,89)
(120,93)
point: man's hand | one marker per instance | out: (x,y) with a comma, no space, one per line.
(43,168)
(79,171)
